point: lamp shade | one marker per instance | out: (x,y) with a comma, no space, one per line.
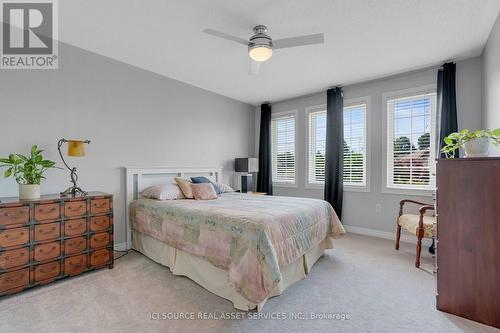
(76,148)
(246,164)
(260,52)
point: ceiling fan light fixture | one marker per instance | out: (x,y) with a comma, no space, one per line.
(260,52)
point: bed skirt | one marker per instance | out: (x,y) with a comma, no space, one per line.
(215,279)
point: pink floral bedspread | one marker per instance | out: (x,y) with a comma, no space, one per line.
(249,236)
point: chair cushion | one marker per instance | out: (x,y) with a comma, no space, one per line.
(409,222)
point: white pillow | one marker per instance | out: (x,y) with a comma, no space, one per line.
(224,188)
(163,192)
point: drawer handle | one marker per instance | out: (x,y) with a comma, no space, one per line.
(14,279)
(43,231)
(79,263)
(13,216)
(16,236)
(41,210)
(42,250)
(14,257)
(79,207)
(50,270)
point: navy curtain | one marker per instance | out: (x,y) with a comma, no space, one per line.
(446,105)
(264,178)
(334,159)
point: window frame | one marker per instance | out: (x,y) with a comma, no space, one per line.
(282,114)
(421,90)
(347,103)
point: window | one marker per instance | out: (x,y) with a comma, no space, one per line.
(317,142)
(283,148)
(354,145)
(411,141)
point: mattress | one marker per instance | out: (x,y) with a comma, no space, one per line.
(250,238)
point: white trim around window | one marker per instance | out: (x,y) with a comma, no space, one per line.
(367,135)
(347,103)
(309,111)
(427,89)
(294,115)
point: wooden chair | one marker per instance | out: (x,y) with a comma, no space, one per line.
(421,226)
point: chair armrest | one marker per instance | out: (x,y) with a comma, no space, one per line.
(402,203)
(422,210)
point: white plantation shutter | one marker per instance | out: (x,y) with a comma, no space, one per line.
(411,122)
(355,148)
(317,142)
(355,145)
(283,148)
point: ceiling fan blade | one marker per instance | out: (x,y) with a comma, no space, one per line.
(226,36)
(254,67)
(298,41)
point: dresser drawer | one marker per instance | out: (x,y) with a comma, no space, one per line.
(47,271)
(47,251)
(75,227)
(75,208)
(16,279)
(99,258)
(47,212)
(99,240)
(45,232)
(75,265)
(12,216)
(100,206)
(99,223)
(13,237)
(75,245)
(14,258)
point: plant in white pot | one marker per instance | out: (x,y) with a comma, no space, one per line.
(28,172)
(475,144)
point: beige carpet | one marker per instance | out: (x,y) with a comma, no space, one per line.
(377,287)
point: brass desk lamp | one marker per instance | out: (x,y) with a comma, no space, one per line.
(76,148)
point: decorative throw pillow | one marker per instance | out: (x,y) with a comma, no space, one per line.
(163,192)
(203,180)
(185,186)
(224,188)
(204,191)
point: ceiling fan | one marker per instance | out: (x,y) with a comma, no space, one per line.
(261,45)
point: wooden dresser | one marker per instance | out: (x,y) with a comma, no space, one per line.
(52,238)
(468,236)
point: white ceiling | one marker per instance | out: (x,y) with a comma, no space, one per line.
(364,39)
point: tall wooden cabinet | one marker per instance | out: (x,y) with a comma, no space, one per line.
(468,238)
(52,238)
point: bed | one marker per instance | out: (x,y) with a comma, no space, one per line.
(242,247)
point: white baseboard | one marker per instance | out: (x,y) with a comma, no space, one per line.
(120,246)
(384,234)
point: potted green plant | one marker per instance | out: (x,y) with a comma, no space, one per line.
(28,172)
(475,144)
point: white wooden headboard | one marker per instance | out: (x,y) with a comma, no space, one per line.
(138,179)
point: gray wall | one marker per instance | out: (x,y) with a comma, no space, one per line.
(359,207)
(133,117)
(491,83)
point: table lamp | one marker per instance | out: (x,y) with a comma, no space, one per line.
(246,165)
(76,148)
